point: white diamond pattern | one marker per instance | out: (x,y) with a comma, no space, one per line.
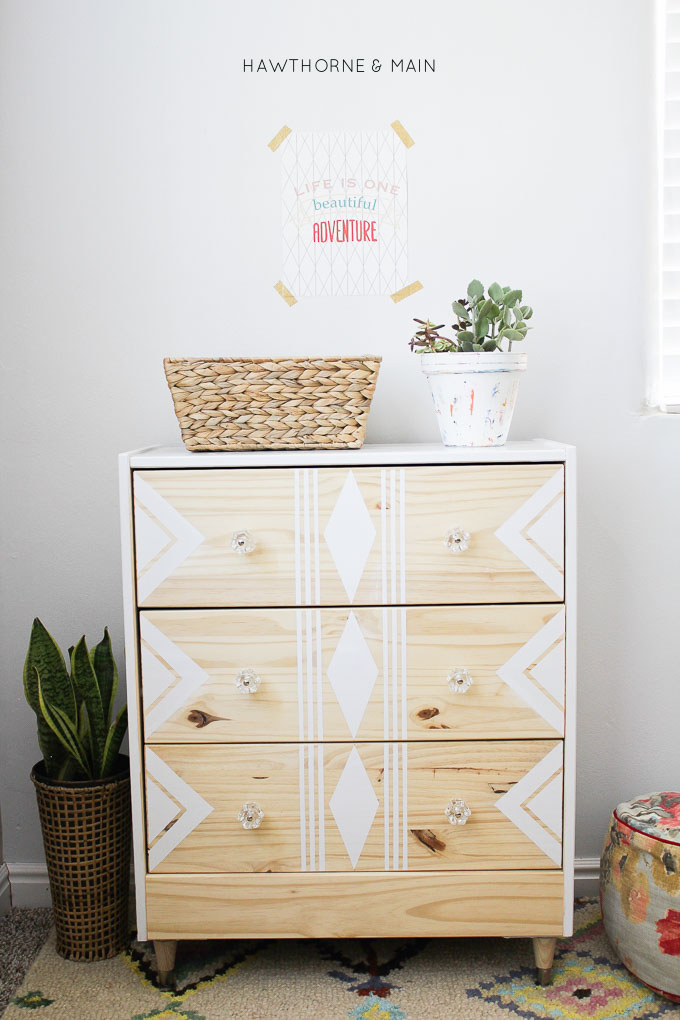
(350,534)
(352,673)
(354,806)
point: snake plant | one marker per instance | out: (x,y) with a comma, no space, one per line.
(76,734)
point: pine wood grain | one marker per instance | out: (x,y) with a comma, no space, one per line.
(479,772)
(367,905)
(438,639)
(477,498)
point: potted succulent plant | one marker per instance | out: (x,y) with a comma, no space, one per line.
(83,788)
(474,374)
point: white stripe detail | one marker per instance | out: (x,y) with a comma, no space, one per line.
(308,543)
(312,813)
(298,562)
(549,672)
(402,532)
(395,807)
(303,815)
(404,807)
(310,673)
(317,569)
(196,809)
(383,534)
(319,677)
(322,811)
(511,803)
(300,673)
(186,537)
(393,536)
(510,533)
(386,802)
(404,720)
(192,677)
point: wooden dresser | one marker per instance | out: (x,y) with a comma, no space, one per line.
(351,681)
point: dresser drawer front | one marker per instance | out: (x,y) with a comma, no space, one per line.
(424,672)
(364,807)
(340,536)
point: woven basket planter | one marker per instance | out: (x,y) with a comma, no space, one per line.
(272,403)
(86,828)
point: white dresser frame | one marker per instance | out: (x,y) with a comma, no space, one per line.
(176,457)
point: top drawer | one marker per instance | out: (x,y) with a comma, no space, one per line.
(339,536)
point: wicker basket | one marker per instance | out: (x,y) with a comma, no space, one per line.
(86,828)
(272,403)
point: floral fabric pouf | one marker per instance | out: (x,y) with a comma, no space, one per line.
(640,889)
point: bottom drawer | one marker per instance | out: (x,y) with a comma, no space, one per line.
(367,905)
(364,807)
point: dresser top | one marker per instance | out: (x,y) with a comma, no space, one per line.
(370,454)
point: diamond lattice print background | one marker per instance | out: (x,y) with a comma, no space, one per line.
(321,167)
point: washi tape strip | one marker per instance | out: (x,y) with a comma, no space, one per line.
(281,289)
(281,136)
(403,134)
(407,291)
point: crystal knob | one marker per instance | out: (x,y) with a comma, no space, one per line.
(457,540)
(251,814)
(247,681)
(457,811)
(242,542)
(459,680)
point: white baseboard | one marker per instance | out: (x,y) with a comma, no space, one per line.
(30,887)
(5,896)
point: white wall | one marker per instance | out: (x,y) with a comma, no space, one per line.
(132,148)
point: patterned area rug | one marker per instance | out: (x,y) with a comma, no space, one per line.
(415,979)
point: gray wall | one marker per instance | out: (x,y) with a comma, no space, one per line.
(140,213)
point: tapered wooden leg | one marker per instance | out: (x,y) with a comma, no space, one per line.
(544,952)
(165,950)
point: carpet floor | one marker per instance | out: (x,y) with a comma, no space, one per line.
(392,979)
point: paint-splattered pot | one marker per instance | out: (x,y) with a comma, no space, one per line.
(474,395)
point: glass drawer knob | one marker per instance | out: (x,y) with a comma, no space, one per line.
(251,814)
(459,680)
(457,540)
(457,811)
(242,542)
(247,681)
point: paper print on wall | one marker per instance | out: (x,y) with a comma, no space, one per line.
(344,199)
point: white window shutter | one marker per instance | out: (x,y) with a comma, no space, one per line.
(670,173)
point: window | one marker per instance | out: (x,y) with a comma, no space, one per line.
(667,358)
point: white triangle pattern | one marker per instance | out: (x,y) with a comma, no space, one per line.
(156,678)
(196,809)
(149,538)
(352,673)
(160,810)
(549,672)
(545,806)
(547,532)
(186,538)
(550,535)
(350,534)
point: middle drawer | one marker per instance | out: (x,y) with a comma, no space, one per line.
(423,672)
